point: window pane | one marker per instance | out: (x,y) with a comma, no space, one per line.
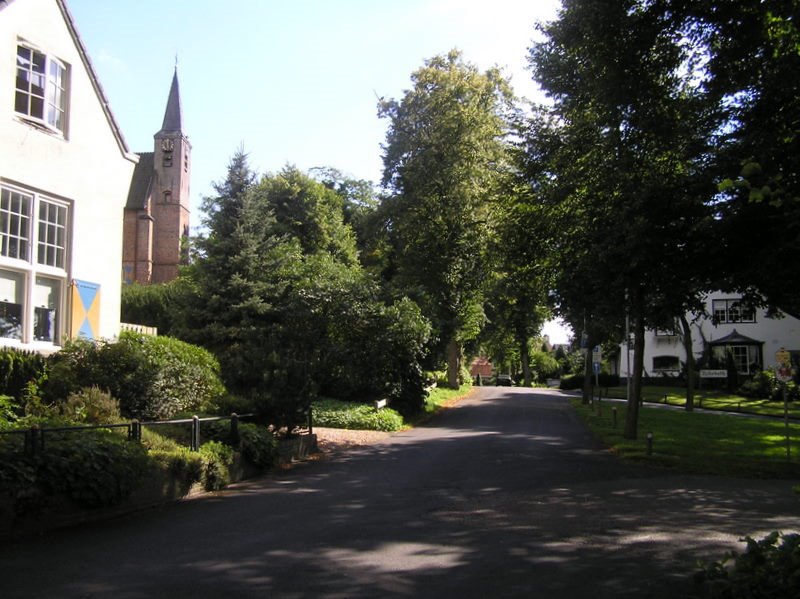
(12,292)
(14,211)
(37,107)
(47,303)
(52,234)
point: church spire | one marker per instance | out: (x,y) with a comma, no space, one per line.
(173,122)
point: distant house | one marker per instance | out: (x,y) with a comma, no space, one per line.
(64,178)
(157,211)
(733,331)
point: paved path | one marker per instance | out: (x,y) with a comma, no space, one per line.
(505,495)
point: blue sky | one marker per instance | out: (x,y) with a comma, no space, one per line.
(293,82)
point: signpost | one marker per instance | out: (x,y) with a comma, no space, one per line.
(783,372)
(597,356)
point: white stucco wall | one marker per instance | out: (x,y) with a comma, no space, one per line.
(775,333)
(88,166)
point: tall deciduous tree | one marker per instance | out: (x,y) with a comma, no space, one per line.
(443,153)
(628,170)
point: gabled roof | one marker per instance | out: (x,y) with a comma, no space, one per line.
(141,182)
(173,118)
(87,63)
(735,338)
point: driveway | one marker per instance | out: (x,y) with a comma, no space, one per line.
(505,495)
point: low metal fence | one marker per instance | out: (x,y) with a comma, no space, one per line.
(34,437)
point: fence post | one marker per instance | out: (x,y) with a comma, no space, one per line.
(195,433)
(235,429)
(32,440)
(136,430)
(310,421)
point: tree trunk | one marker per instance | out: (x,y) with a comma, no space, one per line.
(690,365)
(587,370)
(453,364)
(526,366)
(632,417)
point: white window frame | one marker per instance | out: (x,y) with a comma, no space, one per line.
(32,265)
(55,90)
(732,311)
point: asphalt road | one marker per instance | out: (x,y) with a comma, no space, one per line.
(505,495)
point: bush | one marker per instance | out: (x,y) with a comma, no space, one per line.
(350,415)
(217,460)
(93,468)
(256,443)
(765,385)
(575,381)
(769,568)
(91,405)
(152,377)
(17,369)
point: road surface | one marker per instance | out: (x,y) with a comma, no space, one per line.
(505,495)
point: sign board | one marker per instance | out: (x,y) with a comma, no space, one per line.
(783,369)
(713,374)
(597,354)
(596,367)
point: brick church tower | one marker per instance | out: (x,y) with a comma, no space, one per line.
(156,220)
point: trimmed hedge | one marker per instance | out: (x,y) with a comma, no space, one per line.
(575,381)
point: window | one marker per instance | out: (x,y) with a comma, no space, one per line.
(666,363)
(33,260)
(732,311)
(41,89)
(746,358)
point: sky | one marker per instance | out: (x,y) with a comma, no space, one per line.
(292,82)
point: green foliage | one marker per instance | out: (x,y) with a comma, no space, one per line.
(339,414)
(17,369)
(765,385)
(575,381)
(91,405)
(769,568)
(443,157)
(8,413)
(156,305)
(152,377)
(256,443)
(217,460)
(93,468)
(545,365)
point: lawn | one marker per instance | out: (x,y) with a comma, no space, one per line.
(710,400)
(700,443)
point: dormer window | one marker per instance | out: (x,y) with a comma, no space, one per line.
(41,89)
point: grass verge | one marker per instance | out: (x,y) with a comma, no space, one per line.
(699,443)
(710,400)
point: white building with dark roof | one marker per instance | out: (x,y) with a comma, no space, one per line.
(64,179)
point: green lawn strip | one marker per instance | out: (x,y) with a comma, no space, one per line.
(360,416)
(700,443)
(710,400)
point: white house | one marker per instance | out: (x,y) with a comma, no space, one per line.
(65,172)
(747,334)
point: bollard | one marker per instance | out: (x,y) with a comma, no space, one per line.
(614,415)
(235,429)
(195,433)
(650,443)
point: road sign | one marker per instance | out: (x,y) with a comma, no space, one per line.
(597,354)
(596,367)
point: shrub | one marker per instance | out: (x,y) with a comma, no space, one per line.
(765,385)
(17,368)
(152,377)
(91,405)
(768,568)
(575,381)
(341,414)
(256,443)
(217,460)
(93,468)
